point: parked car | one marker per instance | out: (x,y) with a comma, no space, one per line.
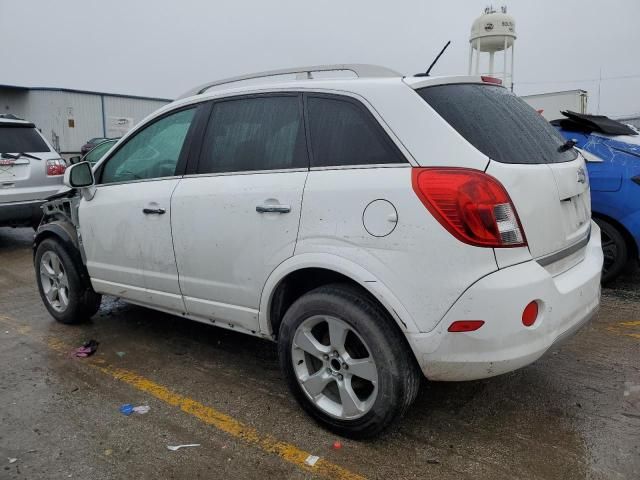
(30,171)
(91,144)
(614,173)
(379,228)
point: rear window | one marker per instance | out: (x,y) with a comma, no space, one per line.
(21,139)
(498,123)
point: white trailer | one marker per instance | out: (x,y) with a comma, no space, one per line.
(551,104)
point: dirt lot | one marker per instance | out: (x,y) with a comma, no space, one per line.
(573,414)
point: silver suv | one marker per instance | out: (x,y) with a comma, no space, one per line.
(30,171)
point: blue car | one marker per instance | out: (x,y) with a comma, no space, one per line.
(614,173)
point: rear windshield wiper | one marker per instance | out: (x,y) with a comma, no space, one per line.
(18,155)
(568,145)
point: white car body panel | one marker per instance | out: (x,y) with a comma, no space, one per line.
(130,254)
(225,249)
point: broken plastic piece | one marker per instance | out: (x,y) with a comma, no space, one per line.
(173,448)
(337,445)
(121,354)
(86,350)
(142,409)
(126,409)
(13,460)
(311,460)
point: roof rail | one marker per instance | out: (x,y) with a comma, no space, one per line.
(360,69)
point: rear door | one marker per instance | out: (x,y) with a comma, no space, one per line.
(548,183)
(236,217)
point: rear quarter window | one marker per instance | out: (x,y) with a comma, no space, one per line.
(21,139)
(498,123)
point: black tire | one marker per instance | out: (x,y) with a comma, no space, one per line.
(614,247)
(83,301)
(397,371)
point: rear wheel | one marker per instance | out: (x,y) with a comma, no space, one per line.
(345,362)
(67,298)
(614,249)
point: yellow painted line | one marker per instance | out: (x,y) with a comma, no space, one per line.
(626,329)
(204,413)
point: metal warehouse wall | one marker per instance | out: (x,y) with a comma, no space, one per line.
(68,119)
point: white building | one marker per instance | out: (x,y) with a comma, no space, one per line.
(68,118)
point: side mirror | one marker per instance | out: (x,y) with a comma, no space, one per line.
(79,175)
(75,159)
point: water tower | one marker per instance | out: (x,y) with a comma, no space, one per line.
(493,32)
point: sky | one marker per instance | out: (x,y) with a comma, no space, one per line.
(162,48)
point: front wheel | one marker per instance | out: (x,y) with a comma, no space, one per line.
(67,298)
(345,361)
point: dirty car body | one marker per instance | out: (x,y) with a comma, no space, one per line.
(365,224)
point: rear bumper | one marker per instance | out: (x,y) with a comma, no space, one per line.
(20,213)
(566,302)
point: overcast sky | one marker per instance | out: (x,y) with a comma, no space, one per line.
(162,48)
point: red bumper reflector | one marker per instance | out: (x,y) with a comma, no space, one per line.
(530,314)
(465,325)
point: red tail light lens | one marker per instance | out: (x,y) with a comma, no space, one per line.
(56,166)
(473,206)
(466,325)
(530,314)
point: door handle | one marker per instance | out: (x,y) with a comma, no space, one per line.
(156,211)
(273,209)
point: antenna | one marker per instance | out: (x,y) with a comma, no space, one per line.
(426,74)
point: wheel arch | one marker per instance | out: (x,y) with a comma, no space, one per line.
(65,233)
(629,239)
(301,273)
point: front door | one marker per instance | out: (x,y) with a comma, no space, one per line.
(126,226)
(236,218)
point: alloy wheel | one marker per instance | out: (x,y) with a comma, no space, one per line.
(334,367)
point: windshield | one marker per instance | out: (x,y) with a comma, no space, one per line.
(17,139)
(498,123)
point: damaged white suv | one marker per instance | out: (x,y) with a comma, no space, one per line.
(380,228)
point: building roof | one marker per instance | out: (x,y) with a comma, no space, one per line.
(87,92)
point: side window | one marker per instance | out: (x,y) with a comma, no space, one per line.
(343,133)
(152,152)
(260,133)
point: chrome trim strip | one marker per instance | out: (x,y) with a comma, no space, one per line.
(554,257)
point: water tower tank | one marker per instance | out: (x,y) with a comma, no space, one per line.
(493,32)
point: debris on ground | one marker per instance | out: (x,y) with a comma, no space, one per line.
(121,354)
(311,460)
(433,462)
(173,448)
(87,349)
(127,409)
(337,445)
(13,460)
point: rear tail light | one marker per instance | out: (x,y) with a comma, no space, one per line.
(473,206)
(465,325)
(56,166)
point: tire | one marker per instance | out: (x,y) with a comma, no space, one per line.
(68,298)
(614,247)
(373,346)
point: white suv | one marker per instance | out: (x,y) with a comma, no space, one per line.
(378,228)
